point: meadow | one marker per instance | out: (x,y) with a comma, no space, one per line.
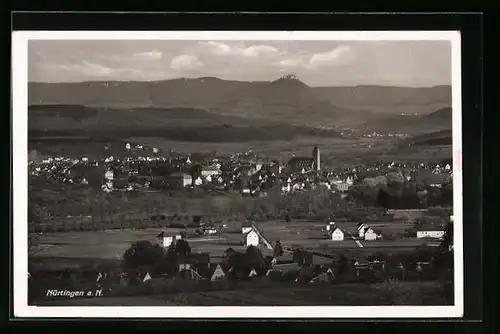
(111,244)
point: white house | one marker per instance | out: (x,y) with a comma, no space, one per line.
(198,181)
(127,146)
(210,171)
(166,240)
(252,238)
(337,235)
(430,231)
(155,150)
(341,186)
(349,180)
(369,234)
(210,230)
(109,175)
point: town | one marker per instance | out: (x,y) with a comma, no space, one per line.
(244,245)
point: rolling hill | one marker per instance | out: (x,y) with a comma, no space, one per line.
(74,122)
(369,96)
(443,137)
(286,100)
(413,124)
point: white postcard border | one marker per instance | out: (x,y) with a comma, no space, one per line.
(20,185)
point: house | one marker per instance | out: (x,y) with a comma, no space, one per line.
(165,240)
(194,261)
(108,175)
(430,231)
(361,230)
(369,234)
(210,230)
(218,274)
(127,146)
(361,267)
(198,181)
(337,234)
(210,171)
(252,238)
(341,186)
(146,278)
(349,181)
(180,180)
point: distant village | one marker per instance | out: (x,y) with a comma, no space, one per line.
(148,169)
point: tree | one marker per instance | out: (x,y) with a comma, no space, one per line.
(342,265)
(182,247)
(142,254)
(302,257)
(278,249)
(254,259)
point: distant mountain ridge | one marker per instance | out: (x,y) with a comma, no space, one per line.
(286,99)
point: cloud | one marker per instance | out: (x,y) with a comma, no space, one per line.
(339,55)
(185,62)
(150,55)
(254,51)
(261,50)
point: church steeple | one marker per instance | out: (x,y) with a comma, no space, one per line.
(316,158)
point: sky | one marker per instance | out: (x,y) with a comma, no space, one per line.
(316,63)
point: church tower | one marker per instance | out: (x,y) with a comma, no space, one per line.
(316,159)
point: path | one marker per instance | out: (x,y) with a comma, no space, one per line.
(360,245)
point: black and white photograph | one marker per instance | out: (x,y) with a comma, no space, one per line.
(237,174)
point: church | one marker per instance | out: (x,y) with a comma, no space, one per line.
(306,164)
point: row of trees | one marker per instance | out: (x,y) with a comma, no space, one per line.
(402,196)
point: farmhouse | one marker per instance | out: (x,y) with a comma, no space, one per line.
(430,231)
(252,238)
(337,234)
(165,240)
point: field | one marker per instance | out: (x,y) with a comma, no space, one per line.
(111,244)
(404,293)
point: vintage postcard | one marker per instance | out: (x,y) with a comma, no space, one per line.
(237,174)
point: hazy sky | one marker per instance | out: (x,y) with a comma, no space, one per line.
(316,63)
